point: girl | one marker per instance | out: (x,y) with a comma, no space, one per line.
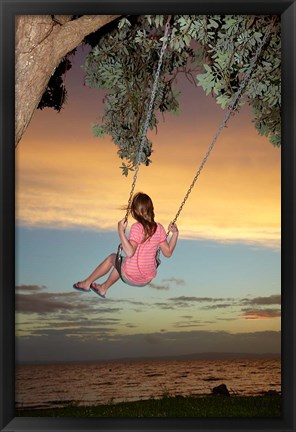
(139,266)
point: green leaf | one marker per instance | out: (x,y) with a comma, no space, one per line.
(213,24)
(124,62)
(123,22)
(98,130)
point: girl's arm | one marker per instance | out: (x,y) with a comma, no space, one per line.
(129,247)
(167,247)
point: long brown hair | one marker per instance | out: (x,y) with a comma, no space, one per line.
(143,211)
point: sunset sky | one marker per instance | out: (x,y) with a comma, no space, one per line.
(219,292)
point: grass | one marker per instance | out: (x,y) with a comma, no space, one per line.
(178,406)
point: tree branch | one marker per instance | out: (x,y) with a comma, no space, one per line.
(80,28)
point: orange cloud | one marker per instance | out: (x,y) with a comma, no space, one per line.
(70,179)
(259,314)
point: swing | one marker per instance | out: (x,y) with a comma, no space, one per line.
(230,110)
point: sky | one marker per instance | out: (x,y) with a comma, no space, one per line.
(221,289)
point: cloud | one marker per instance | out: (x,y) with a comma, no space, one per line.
(155,339)
(101,321)
(273,299)
(224,303)
(198,299)
(48,303)
(40,304)
(217,306)
(254,314)
(30,288)
(81,332)
(188,325)
(165,306)
(158,286)
(55,191)
(186,302)
(129,325)
(187,321)
(132,302)
(71,326)
(103,344)
(174,280)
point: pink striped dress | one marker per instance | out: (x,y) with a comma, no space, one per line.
(141,267)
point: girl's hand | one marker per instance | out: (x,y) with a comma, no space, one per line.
(122,224)
(173,228)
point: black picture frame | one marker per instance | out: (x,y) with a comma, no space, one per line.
(11,8)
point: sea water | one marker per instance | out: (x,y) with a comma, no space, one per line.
(57,385)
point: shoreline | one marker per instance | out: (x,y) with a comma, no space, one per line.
(268,405)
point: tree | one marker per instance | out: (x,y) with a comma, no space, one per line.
(219,47)
(42,42)
(124,58)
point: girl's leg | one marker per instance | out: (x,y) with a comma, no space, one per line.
(102,288)
(98,272)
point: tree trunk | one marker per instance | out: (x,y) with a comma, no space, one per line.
(41,43)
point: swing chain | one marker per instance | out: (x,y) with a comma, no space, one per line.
(149,112)
(230,111)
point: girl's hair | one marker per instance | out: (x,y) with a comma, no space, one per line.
(143,211)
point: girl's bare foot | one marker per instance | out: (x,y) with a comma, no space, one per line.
(97,288)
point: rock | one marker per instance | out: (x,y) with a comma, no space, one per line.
(271,393)
(221,390)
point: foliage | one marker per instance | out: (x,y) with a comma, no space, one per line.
(124,62)
(55,94)
(124,59)
(231,42)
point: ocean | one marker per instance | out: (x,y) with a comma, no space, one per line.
(57,385)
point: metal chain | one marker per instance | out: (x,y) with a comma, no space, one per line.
(230,110)
(149,113)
